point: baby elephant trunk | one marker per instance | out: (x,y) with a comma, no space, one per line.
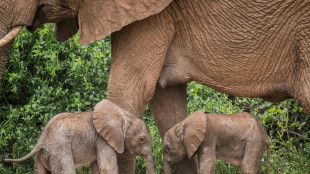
(149,163)
(166,166)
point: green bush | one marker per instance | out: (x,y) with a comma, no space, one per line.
(44,77)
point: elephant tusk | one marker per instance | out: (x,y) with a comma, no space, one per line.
(11,35)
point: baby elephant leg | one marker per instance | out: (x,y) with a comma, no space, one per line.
(62,163)
(106,158)
(94,168)
(207,161)
(61,159)
(253,154)
(39,167)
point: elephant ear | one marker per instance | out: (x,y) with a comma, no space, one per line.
(99,18)
(111,123)
(192,131)
(66,28)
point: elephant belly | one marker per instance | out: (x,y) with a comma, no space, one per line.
(239,78)
(243,52)
(83,148)
(82,157)
(231,153)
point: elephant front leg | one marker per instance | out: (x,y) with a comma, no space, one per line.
(168,107)
(106,158)
(207,160)
(138,55)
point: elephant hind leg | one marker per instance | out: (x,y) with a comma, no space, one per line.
(39,167)
(303,100)
(251,162)
(62,161)
(301,92)
(168,107)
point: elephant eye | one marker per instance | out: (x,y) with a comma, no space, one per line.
(167,147)
(141,139)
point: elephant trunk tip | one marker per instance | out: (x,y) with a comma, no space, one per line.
(166,166)
(149,163)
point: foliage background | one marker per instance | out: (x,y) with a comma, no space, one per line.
(44,77)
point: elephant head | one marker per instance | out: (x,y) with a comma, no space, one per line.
(183,139)
(95,19)
(123,131)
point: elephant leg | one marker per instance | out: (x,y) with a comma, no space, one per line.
(61,160)
(168,107)
(94,168)
(207,160)
(251,162)
(39,167)
(138,55)
(106,157)
(302,76)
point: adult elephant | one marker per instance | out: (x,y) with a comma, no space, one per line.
(243,48)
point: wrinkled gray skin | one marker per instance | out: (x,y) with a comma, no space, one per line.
(237,138)
(240,47)
(70,140)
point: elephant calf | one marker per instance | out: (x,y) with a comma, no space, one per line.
(71,140)
(238,138)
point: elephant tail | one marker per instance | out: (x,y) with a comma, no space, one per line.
(34,151)
(268,156)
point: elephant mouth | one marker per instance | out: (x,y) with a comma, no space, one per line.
(141,154)
(10,36)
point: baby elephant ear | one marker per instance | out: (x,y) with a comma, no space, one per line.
(192,131)
(108,122)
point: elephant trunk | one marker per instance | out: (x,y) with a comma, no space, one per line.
(166,166)
(149,163)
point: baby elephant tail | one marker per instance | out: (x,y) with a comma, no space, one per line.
(268,156)
(35,150)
